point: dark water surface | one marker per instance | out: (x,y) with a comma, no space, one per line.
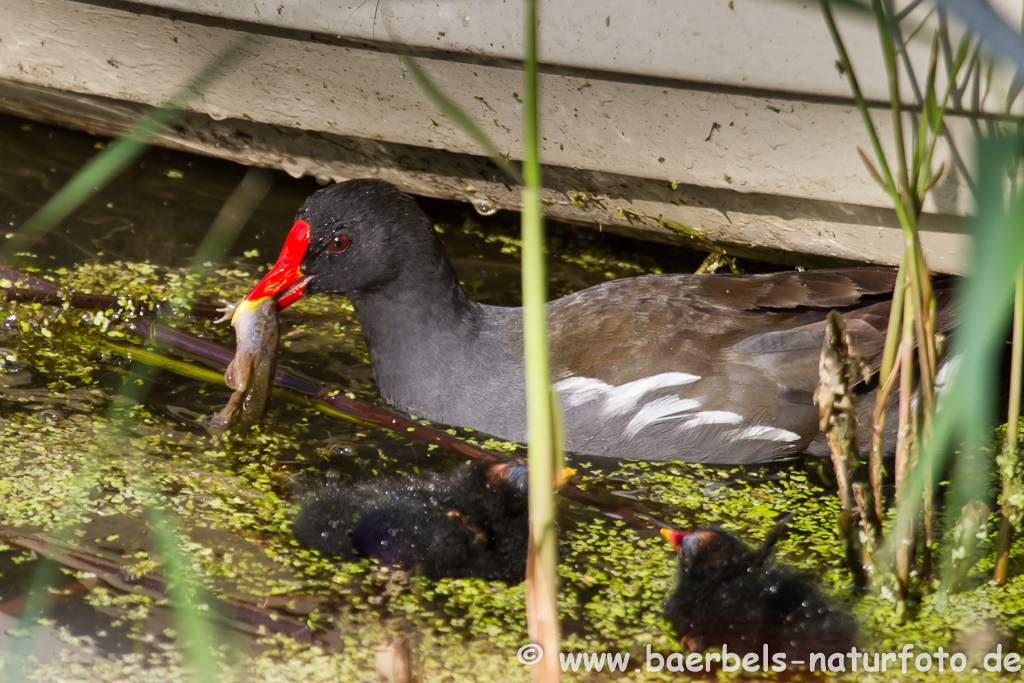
(87,449)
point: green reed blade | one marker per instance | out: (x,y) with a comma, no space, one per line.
(118,155)
(458,116)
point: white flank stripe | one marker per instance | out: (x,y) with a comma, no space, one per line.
(947,371)
(624,397)
(659,410)
(768,433)
(579,390)
(576,391)
(712,417)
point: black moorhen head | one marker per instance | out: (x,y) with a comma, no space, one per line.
(730,594)
(473,522)
(700,368)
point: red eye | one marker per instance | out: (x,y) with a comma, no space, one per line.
(339,243)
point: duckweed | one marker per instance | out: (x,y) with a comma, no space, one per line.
(84,455)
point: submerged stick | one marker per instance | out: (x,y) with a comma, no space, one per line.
(373,416)
(194,347)
(23,279)
(39,291)
(241,614)
(331,402)
(43,291)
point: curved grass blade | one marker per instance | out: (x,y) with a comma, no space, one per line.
(85,183)
(984,21)
(459,117)
(121,153)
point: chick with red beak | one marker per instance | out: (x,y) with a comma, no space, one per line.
(729,594)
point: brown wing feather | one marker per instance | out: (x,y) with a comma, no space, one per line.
(606,332)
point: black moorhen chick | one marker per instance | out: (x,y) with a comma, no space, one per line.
(473,522)
(729,594)
(701,368)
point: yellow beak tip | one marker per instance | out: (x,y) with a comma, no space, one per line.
(244,305)
(563,478)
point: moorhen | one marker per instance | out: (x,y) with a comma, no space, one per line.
(702,368)
(729,594)
(473,522)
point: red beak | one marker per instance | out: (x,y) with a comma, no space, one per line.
(285,276)
(674,536)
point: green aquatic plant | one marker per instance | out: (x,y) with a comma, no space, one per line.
(929,427)
(233,525)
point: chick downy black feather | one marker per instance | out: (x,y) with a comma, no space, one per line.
(473,522)
(730,594)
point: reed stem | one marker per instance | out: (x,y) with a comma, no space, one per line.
(544,451)
(1011,446)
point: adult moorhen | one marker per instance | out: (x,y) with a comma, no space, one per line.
(473,522)
(729,594)
(701,368)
